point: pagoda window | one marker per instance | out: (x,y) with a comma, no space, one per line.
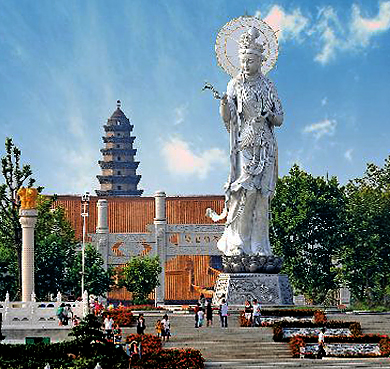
(118,146)
(119,187)
(119,158)
(119,173)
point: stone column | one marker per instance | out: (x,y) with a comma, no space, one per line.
(102,219)
(28,219)
(102,232)
(160,223)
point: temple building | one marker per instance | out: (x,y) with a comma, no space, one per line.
(118,167)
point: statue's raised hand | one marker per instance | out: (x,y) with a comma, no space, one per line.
(224,108)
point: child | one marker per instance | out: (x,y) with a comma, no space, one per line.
(158,327)
(200,317)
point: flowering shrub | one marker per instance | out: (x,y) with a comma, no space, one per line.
(295,345)
(174,359)
(320,317)
(244,322)
(384,345)
(149,342)
(122,316)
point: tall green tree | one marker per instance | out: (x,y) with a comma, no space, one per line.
(15,176)
(141,276)
(307,229)
(55,250)
(366,255)
(57,263)
(97,280)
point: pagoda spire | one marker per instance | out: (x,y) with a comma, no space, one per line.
(118,166)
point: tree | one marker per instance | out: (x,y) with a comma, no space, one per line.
(57,265)
(307,229)
(366,255)
(141,276)
(97,280)
(15,177)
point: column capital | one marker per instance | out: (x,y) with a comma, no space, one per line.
(28,217)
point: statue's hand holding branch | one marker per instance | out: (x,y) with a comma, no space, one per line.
(224,109)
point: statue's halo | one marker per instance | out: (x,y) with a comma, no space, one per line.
(227,44)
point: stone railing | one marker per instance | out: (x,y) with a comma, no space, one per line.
(34,314)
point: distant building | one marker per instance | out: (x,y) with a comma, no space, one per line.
(118,167)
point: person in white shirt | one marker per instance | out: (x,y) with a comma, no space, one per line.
(108,327)
(256,313)
(200,317)
(223,309)
(321,340)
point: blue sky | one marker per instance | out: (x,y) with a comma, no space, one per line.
(63,65)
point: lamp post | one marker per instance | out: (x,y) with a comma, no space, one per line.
(84,214)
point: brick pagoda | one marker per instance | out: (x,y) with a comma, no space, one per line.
(118,167)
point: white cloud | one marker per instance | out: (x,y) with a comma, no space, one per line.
(337,37)
(180,113)
(182,160)
(287,25)
(327,31)
(348,155)
(362,29)
(319,129)
(324,101)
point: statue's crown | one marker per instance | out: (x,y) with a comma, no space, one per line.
(249,44)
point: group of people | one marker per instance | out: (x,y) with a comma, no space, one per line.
(203,311)
(252,312)
(112,331)
(65,315)
(163,328)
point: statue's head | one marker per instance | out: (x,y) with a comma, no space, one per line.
(251,52)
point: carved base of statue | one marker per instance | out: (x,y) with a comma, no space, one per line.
(268,289)
(244,263)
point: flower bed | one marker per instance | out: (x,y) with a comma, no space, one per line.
(153,356)
(122,316)
(284,330)
(342,346)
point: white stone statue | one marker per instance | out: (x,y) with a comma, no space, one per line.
(250,110)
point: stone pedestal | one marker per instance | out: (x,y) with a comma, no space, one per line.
(268,289)
(28,219)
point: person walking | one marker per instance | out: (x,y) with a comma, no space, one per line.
(158,328)
(321,340)
(200,317)
(224,313)
(256,313)
(248,311)
(209,313)
(141,324)
(196,311)
(108,327)
(166,325)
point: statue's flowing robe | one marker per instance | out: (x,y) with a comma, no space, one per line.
(253,165)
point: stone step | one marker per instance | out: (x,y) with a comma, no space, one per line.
(326,363)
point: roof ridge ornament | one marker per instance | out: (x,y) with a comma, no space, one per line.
(118,104)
